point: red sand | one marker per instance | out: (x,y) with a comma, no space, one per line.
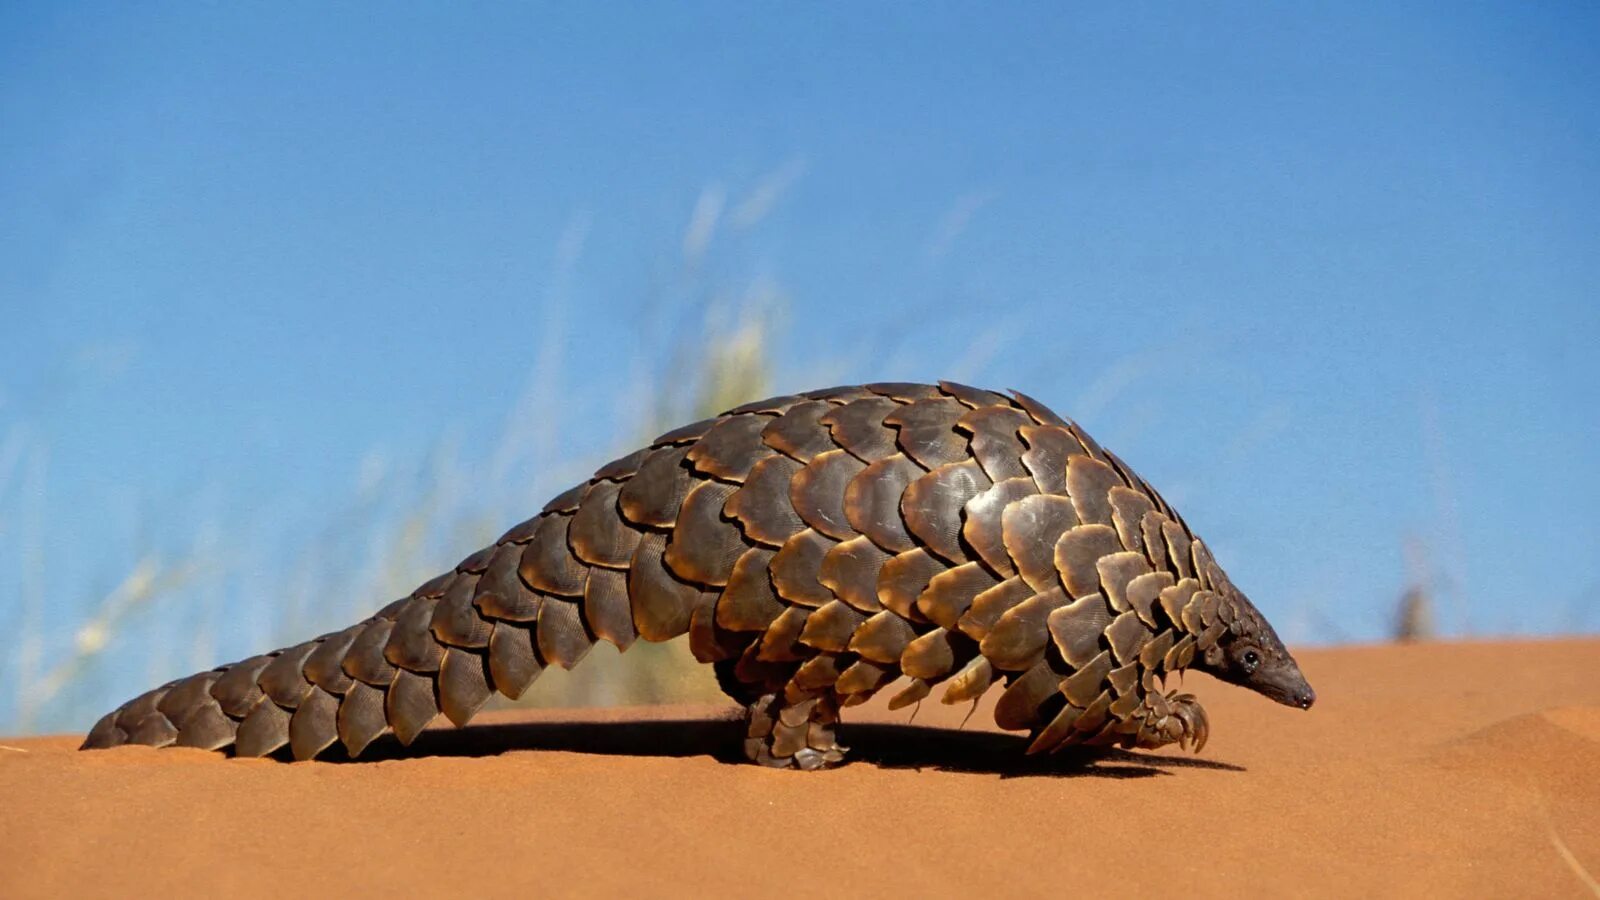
(1434,770)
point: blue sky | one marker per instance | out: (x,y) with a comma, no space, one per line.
(1326,276)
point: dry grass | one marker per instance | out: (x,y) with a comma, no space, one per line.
(168,614)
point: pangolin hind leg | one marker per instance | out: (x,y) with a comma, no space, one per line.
(799,735)
(787,726)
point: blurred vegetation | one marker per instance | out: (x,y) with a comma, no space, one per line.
(168,614)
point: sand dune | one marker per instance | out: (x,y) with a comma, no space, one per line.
(1433,770)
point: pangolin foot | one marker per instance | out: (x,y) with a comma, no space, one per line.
(1160,721)
(1174,719)
(794,735)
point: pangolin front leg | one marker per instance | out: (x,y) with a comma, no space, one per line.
(815,547)
(1161,720)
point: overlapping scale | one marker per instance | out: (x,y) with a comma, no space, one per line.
(872,502)
(971,396)
(797,433)
(982,526)
(831,627)
(561,636)
(950,593)
(851,570)
(1077,627)
(411,644)
(796,567)
(1089,484)
(455,620)
(1019,705)
(931,507)
(882,638)
(1018,639)
(662,604)
(996,443)
(903,578)
(704,545)
(817,492)
(597,533)
(1027,527)
(463,684)
(748,602)
(731,447)
(1078,553)
(1038,411)
(858,427)
(1049,449)
(988,606)
(970,683)
(1117,571)
(652,496)
(548,564)
(926,431)
(763,507)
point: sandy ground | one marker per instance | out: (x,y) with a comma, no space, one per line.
(1434,770)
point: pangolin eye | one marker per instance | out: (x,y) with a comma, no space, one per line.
(1251,660)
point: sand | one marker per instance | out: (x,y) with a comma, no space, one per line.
(1429,770)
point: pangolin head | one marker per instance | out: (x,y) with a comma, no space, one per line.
(1250,654)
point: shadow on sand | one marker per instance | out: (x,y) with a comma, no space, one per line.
(885,745)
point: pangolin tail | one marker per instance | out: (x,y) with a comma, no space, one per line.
(444,649)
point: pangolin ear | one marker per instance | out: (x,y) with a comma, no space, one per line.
(1214,657)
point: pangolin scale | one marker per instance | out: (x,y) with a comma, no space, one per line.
(815,548)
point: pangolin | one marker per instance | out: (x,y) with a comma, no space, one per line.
(815,548)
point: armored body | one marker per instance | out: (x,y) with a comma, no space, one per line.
(816,549)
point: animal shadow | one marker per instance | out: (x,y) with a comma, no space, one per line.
(888,746)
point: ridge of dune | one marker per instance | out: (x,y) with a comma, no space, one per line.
(1557,750)
(1465,769)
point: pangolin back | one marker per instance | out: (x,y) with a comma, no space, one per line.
(814,548)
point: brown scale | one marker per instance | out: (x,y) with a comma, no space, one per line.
(705,545)
(814,548)
(975,398)
(996,442)
(850,569)
(731,448)
(881,638)
(796,567)
(762,507)
(983,526)
(1049,449)
(951,593)
(832,627)
(748,603)
(872,502)
(931,507)
(904,391)
(988,606)
(927,431)
(817,492)
(597,534)
(1018,639)
(1022,522)
(796,434)
(858,427)
(455,620)
(904,577)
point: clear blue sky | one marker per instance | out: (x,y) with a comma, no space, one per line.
(1326,275)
